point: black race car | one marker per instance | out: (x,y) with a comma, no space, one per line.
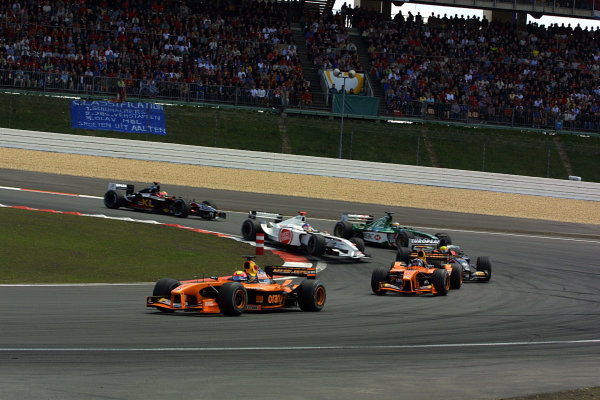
(451,254)
(153,199)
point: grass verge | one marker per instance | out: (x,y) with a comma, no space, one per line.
(475,148)
(42,247)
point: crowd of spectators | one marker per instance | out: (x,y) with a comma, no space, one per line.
(488,70)
(328,43)
(195,49)
(221,49)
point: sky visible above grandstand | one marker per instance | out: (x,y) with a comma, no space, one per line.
(426,11)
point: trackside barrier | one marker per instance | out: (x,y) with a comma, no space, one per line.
(260,244)
(298,164)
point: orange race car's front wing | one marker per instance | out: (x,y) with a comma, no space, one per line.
(409,288)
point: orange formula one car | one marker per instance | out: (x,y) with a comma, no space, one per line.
(250,289)
(416,276)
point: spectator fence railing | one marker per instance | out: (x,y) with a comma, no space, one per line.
(514,116)
(82,85)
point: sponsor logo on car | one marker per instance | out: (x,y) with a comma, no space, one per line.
(275,298)
(373,237)
(423,241)
(285,236)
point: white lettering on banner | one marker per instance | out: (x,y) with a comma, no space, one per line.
(123,117)
(106,106)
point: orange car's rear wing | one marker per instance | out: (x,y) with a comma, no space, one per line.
(432,256)
(309,273)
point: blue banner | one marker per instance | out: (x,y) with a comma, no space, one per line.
(121,117)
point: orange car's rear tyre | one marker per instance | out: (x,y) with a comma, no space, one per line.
(456,278)
(379,274)
(440,281)
(312,295)
(232,298)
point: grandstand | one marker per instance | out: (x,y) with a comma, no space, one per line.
(280,54)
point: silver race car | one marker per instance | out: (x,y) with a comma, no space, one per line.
(297,232)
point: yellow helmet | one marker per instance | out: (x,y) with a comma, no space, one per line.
(444,249)
(250,268)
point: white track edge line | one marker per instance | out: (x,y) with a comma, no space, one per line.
(330,220)
(311,348)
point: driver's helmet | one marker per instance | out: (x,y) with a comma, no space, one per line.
(250,268)
(307,227)
(163,194)
(395,225)
(443,249)
(417,262)
(239,276)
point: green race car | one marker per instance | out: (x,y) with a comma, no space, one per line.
(385,231)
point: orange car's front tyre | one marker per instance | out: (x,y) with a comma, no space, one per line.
(441,281)
(312,295)
(232,298)
(379,275)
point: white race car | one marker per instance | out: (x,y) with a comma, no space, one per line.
(297,232)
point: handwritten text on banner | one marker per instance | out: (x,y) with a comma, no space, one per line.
(121,117)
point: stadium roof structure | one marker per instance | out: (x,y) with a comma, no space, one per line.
(537,8)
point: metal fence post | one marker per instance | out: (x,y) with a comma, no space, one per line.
(216,125)
(147,119)
(512,116)
(418,148)
(351,140)
(548,166)
(483,156)
(10,111)
(282,133)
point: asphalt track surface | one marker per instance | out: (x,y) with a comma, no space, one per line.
(533,328)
